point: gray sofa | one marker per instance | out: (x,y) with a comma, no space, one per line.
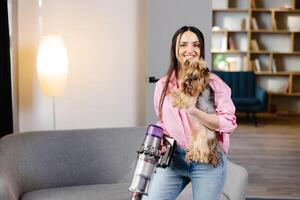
(93,164)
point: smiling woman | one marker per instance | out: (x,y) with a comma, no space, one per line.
(207,179)
(188,47)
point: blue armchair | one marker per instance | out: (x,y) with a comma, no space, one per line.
(246,95)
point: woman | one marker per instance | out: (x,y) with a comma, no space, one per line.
(207,181)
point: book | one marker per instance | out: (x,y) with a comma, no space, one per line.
(246,65)
(254,45)
(274,25)
(231,43)
(235,63)
(257,65)
(274,68)
(224,43)
(254,24)
(243,44)
(244,24)
(253,4)
(216,41)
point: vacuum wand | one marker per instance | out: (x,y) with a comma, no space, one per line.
(149,157)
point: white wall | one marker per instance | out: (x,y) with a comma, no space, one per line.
(165,17)
(106,46)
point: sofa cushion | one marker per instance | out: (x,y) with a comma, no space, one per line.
(187,194)
(117,191)
(95,192)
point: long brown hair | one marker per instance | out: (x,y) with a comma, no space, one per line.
(174,64)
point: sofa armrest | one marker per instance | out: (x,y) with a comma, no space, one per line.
(261,94)
(9,187)
(236,182)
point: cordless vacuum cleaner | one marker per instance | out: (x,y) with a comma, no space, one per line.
(149,157)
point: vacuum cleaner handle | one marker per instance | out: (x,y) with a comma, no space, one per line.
(166,158)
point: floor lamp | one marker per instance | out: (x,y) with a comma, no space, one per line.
(52,67)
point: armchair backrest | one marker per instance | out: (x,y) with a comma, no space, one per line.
(242,84)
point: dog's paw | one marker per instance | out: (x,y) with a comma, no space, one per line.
(179,100)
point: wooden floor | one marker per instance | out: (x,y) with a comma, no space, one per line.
(271,155)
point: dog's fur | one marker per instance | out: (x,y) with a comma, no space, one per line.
(204,146)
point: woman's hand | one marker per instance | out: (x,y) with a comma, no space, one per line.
(192,109)
(210,120)
(136,196)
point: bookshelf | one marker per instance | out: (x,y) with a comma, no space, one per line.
(261,36)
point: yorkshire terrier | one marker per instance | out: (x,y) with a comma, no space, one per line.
(204,146)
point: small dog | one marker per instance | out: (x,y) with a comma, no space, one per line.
(204,146)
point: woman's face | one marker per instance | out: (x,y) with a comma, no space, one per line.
(188,48)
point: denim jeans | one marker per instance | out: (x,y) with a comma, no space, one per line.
(207,181)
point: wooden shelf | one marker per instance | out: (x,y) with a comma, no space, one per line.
(279,46)
(229,52)
(273,31)
(275,10)
(260,52)
(295,94)
(230,10)
(274,52)
(287,53)
(282,73)
(261,10)
(228,31)
(287,10)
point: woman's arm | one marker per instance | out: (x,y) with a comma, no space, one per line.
(224,120)
(156,98)
(210,120)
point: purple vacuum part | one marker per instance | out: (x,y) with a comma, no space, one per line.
(155,131)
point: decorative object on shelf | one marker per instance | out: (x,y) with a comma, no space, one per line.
(253,4)
(293,22)
(219,42)
(216,28)
(231,43)
(233,23)
(220,4)
(220,62)
(274,25)
(229,62)
(274,68)
(257,66)
(276,85)
(254,45)
(287,6)
(246,66)
(254,24)
(244,24)
(234,63)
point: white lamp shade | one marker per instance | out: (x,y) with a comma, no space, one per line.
(52,65)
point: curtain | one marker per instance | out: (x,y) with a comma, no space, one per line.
(6,118)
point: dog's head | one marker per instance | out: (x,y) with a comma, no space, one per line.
(195,77)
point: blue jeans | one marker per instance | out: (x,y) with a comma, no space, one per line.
(207,181)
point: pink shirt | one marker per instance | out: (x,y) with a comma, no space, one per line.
(177,122)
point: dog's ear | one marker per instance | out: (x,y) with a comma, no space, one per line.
(202,64)
(205,71)
(187,62)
